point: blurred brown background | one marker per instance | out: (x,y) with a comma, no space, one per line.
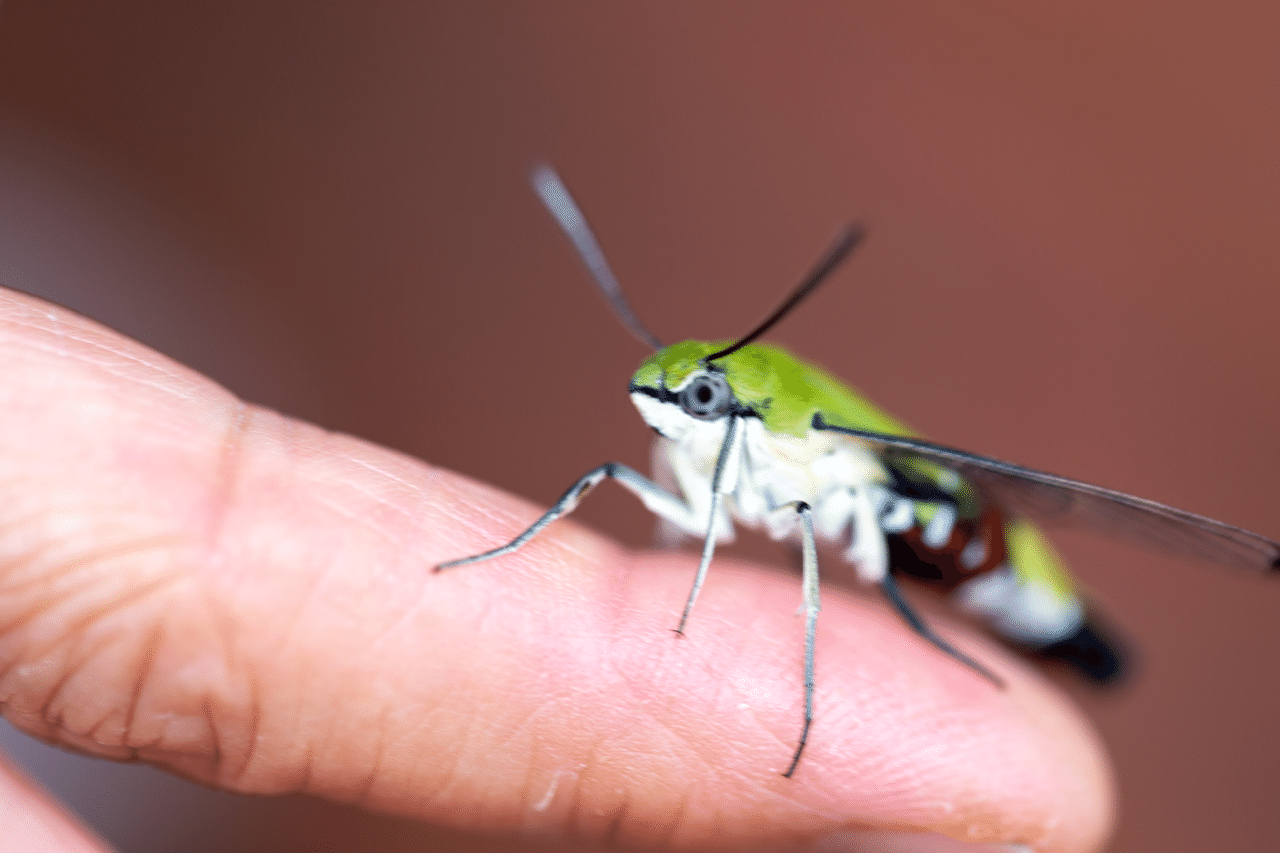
(1073,264)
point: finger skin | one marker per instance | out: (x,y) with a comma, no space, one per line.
(248,600)
(33,823)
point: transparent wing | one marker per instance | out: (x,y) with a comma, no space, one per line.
(1057,500)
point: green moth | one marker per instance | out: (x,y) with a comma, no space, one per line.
(750,434)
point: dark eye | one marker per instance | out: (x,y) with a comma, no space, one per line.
(707,397)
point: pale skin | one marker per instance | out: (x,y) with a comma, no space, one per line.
(248,600)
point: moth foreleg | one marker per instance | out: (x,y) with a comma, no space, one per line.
(724,479)
(657,500)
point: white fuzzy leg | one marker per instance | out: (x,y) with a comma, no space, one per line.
(667,534)
(869,551)
(937,532)
(831,514)
(696,486)
(975,553)
(724,479)
(812,604)
(898,515)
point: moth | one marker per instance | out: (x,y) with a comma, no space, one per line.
(752,435)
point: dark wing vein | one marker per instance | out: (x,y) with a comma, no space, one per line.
(1052,499)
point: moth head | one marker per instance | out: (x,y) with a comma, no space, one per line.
(693,382)
(676,388)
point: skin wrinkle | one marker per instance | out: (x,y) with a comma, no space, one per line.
(79,626)
(666,838)
(424,493)
(114,370)
(527,792)
(455,517)
(222,489)
(408,487)
(579,820)
(130,752)
(416,607)
(145,666)
(37,582)
(655,719)
(54,721)
(460,509)
(224,629)
(302,450)
(379,498)
(573,814)
(99,341)
(788,791)
(255,723)
(292,442)
(451,772)
(356,517)
(490,726)
(691,744)
(365,788)
(660,717)
(307,769)
(55,323)
(85,565)
(439,791)
(28,614)
(613,828)
(417,604)
(292,622)
(115,605)
(215,739)
(25,559)
(523,726)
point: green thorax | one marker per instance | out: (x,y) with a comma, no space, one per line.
(784,391)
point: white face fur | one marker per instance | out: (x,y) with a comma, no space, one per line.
(672,421)
(667,418)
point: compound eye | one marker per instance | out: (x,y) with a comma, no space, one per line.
(707,397)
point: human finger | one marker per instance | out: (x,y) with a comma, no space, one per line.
(34,823)
(247,599)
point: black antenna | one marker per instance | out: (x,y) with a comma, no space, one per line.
(549,187)
(844,244)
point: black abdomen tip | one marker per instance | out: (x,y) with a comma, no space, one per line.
(1091,651)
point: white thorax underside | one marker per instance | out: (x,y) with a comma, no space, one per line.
(766,473)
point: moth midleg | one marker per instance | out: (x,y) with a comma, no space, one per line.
(812,604)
